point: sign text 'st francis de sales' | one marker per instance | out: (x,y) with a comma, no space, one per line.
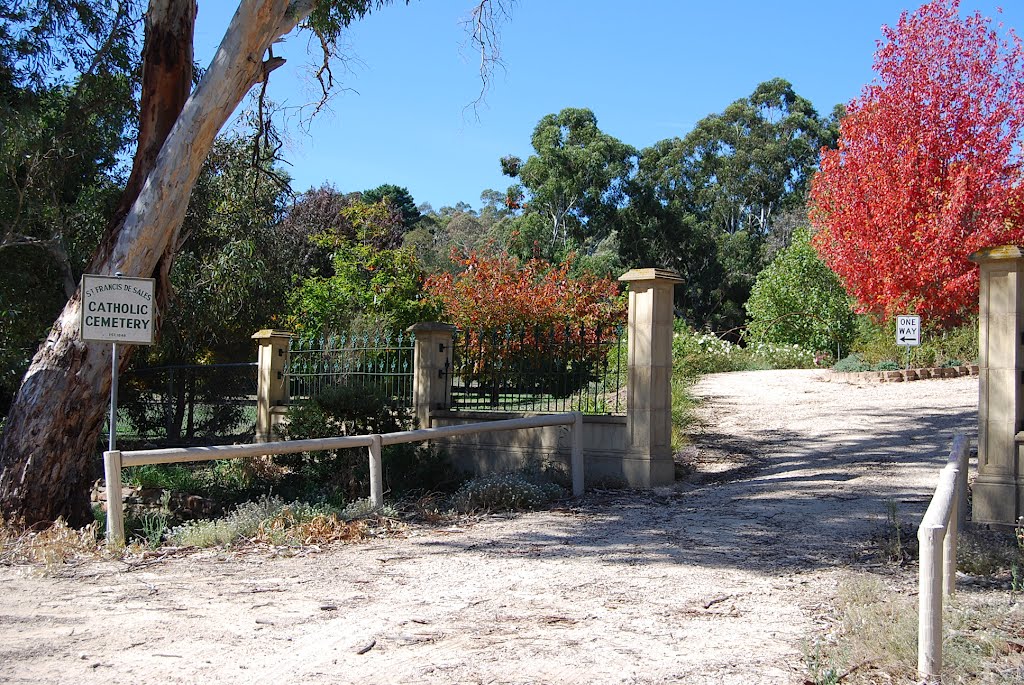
(117,309)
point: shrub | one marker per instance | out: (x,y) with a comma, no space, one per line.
(505,492)
(272,520)
(695,354)
(343,475)
(876,343)
(781,356)
(798,300)
(853,363)
(533,315)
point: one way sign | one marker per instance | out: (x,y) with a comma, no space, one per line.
(908,330)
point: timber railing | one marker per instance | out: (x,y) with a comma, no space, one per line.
(114,461)
(937,536)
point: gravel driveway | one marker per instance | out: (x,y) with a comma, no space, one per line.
(718,579)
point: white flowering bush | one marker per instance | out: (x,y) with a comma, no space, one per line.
(695,354)
(781,356)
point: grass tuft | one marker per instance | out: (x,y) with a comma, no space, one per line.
(53,546)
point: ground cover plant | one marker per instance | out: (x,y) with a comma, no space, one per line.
(873,637)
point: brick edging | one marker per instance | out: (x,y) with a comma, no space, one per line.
(902,376)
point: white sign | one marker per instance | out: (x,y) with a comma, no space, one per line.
(117,309)
(908,330)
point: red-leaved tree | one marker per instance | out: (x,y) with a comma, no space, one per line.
(531,315)
(928,166)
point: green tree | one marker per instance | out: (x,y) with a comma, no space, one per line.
(798,300)
(709,204)
(374,285)
(54,421)
(234,269)
(400,197)
(65,116)
(575,181)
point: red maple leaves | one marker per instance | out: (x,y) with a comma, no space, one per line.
(928,166)
(500,292)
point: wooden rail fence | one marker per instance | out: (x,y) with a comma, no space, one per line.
(114,461)
(937,535)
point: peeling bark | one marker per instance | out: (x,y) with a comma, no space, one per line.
(50,446)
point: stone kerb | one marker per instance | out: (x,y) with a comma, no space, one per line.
(904,375)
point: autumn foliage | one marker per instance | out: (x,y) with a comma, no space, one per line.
(499,291)
(527,314)
(927,168)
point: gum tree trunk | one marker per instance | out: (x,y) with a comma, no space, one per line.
(50,442)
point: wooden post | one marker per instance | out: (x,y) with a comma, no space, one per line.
(576,454)
(929,631)
(376,472)
(115,499)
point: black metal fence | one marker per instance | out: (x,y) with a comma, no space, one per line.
(383,363)
(187,405)
(542,369)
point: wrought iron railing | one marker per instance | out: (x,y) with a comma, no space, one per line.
(539,369)
(382,363)
(187,404)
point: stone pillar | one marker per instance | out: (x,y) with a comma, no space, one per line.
(999,487)
(431,360)
(648,462)
(272,385)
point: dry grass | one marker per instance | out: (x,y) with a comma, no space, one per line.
(873,637)
(53,546)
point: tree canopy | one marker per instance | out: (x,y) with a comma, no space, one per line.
(928,166)
(575,180)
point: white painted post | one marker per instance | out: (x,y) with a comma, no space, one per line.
(376,472)
(115,499)
(929,631)
(576,454)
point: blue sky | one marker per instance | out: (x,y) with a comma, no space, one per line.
(649,70)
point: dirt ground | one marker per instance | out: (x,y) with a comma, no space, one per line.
(720,579)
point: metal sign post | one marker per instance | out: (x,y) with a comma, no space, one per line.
(908,332)
(117,310)
(112,435)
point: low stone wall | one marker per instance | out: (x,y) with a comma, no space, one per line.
(605,442)
(902,376)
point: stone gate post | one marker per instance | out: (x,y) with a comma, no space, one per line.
(999,487)
(648,462)
(431,359)
(271,386)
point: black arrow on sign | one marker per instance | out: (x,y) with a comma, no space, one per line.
(906,339)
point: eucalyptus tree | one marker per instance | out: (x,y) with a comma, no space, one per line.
(575,180)
(51,432)
(708,204)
